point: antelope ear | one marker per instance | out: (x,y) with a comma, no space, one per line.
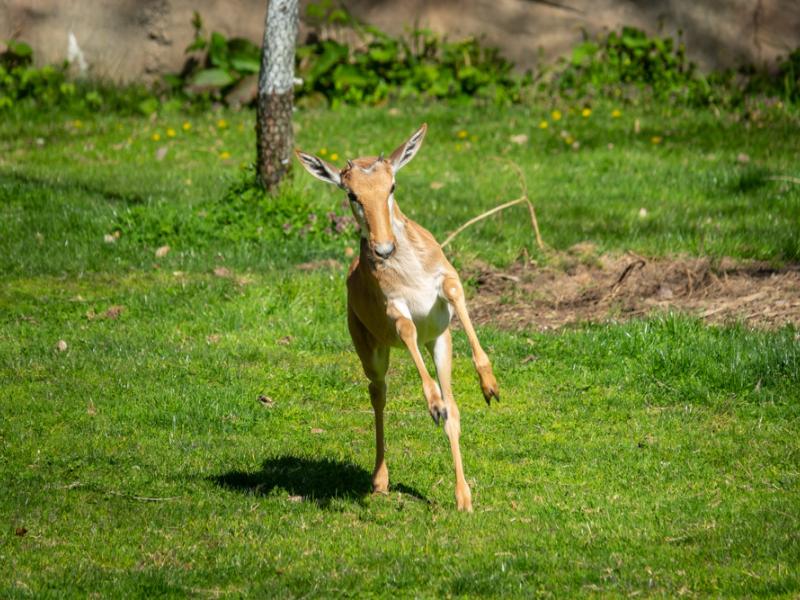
(319,168)
(406,151)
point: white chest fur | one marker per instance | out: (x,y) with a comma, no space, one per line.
(417,293)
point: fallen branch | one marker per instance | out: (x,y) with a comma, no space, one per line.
(490,212)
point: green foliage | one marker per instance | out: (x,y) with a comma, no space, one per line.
(20,80)
(325,12)
(789,76)
(378,68)
(631,58)
(221,65)
(784,83)
(630,65)
(25,86)
(244,213)
(422,65)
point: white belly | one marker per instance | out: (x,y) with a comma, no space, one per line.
(425,306)
(431,317)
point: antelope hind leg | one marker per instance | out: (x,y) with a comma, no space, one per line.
(375,362)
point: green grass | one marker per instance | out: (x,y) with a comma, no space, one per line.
(80,182)
(655,458)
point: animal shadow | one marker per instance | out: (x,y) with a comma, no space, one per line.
(316,480)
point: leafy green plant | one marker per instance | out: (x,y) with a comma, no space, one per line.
(423,65)
(627,66)
(784,83)
(612,65)
(630,64)
(24,85)
(20,80)
(789,76)
(381,66)
(245,213)
(223,63)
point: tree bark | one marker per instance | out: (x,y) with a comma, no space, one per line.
(274,135)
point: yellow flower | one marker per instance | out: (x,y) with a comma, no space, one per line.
(334,156)
(656,139)
(462,134)
(155,137)
(187,126)
(544,125)
(323,151)
(170,132)
(569,139)
(222,123)
(555,115)
(77,123)
(586,112)
(225,155)
(616,113)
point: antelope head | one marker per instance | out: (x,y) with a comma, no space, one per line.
(369,184)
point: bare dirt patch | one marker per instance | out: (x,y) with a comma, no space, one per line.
(581,287)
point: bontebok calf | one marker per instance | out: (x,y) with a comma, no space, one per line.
(401,291)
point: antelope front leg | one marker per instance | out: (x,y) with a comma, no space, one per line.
(442,351)
(407,332)
(454,293)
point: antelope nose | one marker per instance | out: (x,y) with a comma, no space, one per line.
(384,250)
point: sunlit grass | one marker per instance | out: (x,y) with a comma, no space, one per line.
(655,458)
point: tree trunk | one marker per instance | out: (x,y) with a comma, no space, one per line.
(274,136)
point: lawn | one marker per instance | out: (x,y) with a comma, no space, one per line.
(205,429)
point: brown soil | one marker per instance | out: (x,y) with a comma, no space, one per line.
(582,286)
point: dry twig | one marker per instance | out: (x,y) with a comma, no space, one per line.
(612,292)
(523,199)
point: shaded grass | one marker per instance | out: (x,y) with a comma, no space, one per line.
(655,458)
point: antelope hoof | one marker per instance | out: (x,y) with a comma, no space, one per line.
(464,500)
(380,480)
(436,405)
(490,389)
(437,413)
